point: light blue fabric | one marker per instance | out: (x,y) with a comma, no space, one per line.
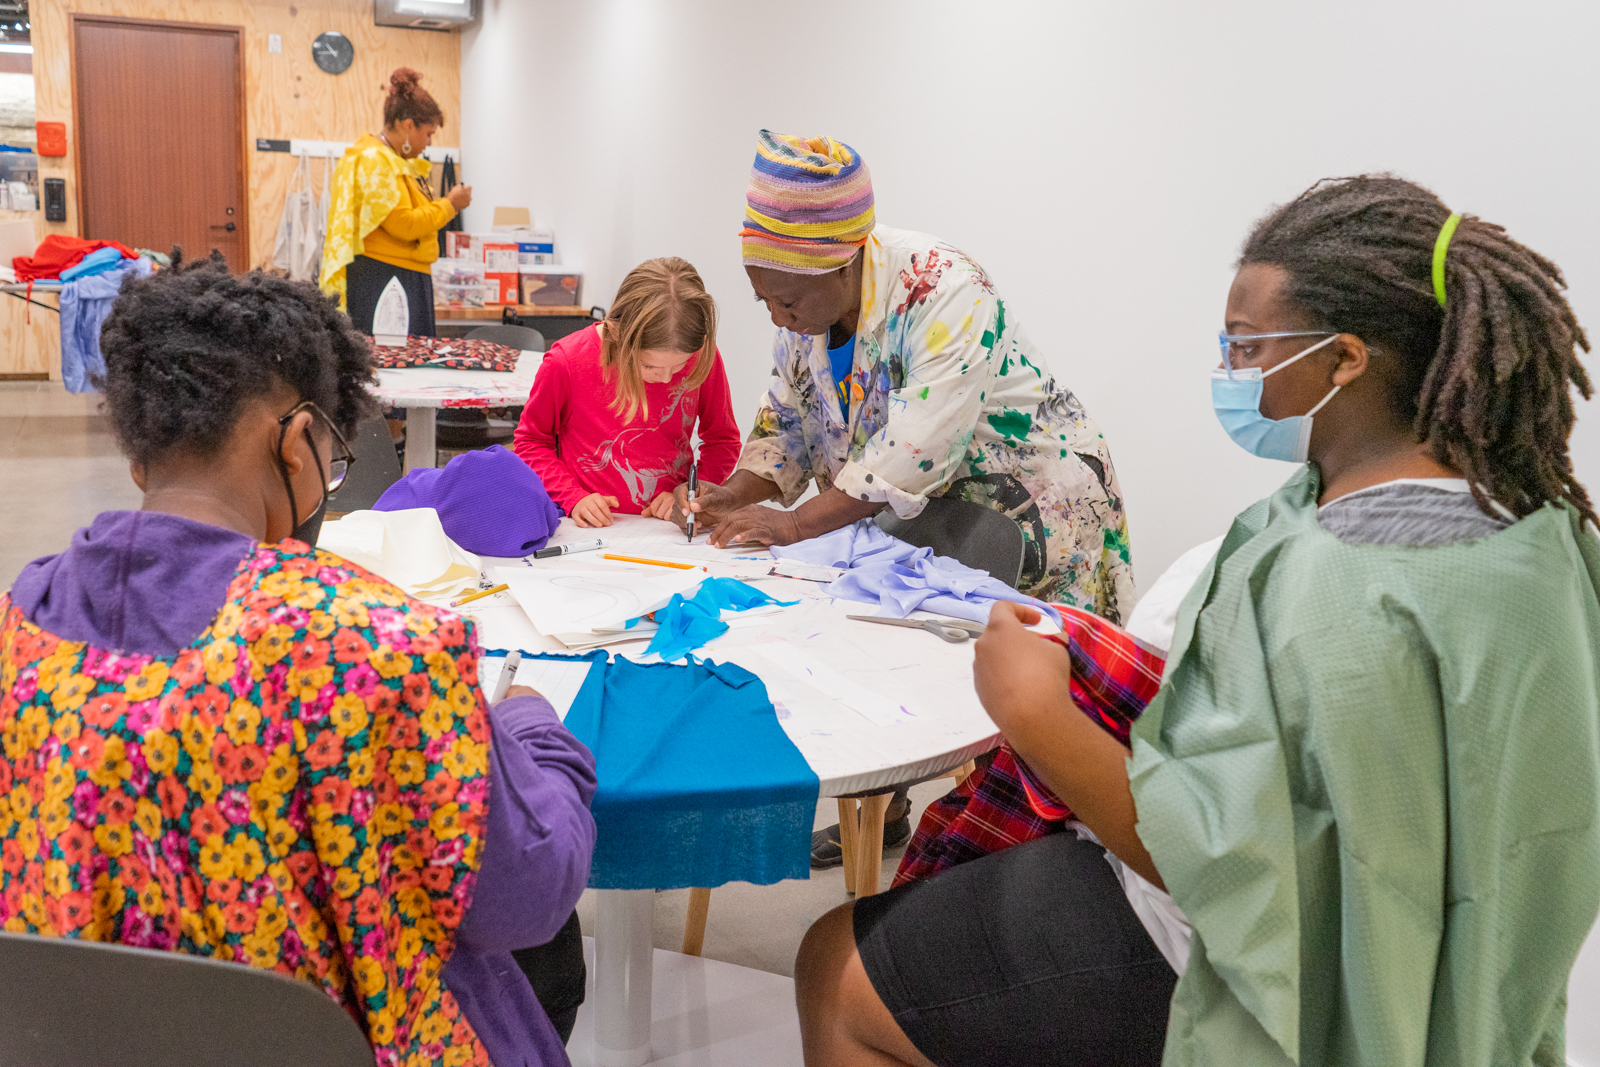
(85,304)
(97,262)
(688,624)
(900,579)
(699,785)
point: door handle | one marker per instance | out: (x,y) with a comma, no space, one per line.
(230,227)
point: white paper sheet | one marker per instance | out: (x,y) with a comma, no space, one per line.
(875,707)
(561,601)
(558,681)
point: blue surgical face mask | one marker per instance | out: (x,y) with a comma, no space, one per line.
(1236,398)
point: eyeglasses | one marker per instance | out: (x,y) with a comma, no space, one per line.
(1239,348)
(342,456)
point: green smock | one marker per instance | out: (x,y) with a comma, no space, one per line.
(1371,780)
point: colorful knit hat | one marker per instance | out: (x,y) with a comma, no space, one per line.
(809,206)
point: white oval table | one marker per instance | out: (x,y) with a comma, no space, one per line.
(848,753)
(422,391)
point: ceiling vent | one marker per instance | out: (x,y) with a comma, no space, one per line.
(425,14)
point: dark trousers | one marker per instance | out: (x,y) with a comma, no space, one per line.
(557,973)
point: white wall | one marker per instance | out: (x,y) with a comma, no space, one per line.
(1103,161)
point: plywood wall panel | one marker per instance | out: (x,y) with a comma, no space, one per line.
(286,94)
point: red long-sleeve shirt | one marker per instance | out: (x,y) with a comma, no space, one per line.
(577,445)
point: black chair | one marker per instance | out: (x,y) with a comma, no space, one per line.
(71,1003)
(464,428)
(376,468)
(522,338)
(968,533)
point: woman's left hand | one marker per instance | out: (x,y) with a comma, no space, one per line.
(1016,671)
(660,507)
(757,522)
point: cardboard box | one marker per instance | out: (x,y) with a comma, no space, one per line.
(552,286)
(507,219)
(499,257)
(501,288)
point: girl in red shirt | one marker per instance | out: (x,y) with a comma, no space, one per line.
(609,424)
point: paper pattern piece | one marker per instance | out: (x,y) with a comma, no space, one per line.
(874,707)
(558,681)
(408,547)
(561,601)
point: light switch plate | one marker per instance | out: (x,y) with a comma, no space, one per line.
(274,42)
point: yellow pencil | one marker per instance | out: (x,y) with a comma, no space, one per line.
(652,562)
(470,597)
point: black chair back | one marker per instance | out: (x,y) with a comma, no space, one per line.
(376,468)
(524,338)
(968,533)
(71,1003)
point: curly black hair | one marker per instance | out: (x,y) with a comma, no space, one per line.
(1486,380)
(188,347)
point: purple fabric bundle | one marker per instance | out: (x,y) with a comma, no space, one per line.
(489,502)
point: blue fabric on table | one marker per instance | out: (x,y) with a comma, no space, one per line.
(699,785)
(687,624)
(85,305)
(489,502)
(900,579)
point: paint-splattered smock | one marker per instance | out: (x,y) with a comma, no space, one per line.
(948,397)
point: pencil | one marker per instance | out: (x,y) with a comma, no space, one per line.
(652,562)
(470,597)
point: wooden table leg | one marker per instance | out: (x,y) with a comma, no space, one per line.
(849,824)
(694,927)
(869,845)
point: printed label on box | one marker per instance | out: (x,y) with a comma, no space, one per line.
(499,258)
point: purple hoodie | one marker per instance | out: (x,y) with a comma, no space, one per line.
(146,582)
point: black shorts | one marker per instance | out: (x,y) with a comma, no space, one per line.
(1029,956)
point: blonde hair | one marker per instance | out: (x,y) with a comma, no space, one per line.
(662,305)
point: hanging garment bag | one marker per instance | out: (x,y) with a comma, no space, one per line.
(299,244)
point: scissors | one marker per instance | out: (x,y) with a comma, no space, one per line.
(952,630)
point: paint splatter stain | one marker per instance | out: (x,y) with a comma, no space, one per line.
(926,465)
(924,394)
(1011,423)
(937,337)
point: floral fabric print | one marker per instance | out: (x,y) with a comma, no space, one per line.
(303,789)
(950,398)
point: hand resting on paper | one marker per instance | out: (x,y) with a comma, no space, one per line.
(1024,680)
(521,691)
(594,510)
(661,507)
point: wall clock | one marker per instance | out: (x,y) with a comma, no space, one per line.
(333,52)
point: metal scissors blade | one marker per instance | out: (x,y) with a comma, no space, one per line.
(952,630)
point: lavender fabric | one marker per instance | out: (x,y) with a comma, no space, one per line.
(143,581)
(900,579)
(489,502)
(85,306)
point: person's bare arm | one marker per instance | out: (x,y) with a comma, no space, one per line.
(827,511)
(1025,685)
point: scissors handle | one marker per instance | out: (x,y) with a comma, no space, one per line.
(949,633)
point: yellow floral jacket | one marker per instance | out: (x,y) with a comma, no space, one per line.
(366,188)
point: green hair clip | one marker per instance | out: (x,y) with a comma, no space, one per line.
(1440,246)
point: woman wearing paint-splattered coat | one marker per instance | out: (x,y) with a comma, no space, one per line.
(948,397)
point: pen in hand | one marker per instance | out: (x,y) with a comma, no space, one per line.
(694,487)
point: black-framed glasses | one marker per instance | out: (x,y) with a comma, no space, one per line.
(339,468)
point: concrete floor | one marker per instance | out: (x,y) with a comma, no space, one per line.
(60,467)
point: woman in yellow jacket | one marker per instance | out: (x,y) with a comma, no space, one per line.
(383,222)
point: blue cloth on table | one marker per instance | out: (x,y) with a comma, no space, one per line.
(688,624)
(900,579)
(85,304)
(699,785)
(489,502)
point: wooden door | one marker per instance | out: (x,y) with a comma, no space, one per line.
(160,117)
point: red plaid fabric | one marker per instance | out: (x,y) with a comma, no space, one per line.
(1003,804)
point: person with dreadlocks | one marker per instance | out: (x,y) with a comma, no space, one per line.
(1359,821)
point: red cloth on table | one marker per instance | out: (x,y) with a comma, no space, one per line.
(57,252)
(1113,678)
(577,445)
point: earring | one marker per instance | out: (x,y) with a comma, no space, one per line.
(406,146)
